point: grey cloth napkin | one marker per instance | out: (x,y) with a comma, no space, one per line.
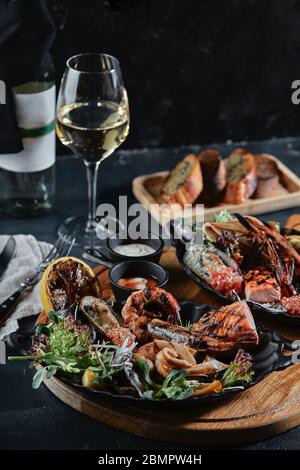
(29,253)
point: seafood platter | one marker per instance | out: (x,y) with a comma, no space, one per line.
(139,344)
(241,182)
(244,258)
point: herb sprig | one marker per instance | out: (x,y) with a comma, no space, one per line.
(65,347)
(239,371)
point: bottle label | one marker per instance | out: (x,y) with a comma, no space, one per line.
(36,120)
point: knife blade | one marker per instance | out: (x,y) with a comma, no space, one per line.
(7,254)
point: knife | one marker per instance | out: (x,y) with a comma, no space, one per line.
(7,254)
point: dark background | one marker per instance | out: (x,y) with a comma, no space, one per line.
(197,71)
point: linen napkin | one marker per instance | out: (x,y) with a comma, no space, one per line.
(29,253)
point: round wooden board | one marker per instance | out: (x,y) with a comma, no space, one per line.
(269,408)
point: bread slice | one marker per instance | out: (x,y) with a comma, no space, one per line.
(267,173)
(184,183)
(214,176)
(241,176)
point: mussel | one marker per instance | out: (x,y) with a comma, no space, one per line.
(102,317)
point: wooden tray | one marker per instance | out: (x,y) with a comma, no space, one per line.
(147,188)
(269,408)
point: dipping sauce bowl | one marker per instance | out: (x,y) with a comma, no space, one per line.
(136,271)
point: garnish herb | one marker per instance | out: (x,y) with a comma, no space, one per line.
(239,371)
(175,386)
(65,347)
(223,216)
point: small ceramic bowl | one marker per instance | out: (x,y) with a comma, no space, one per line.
(133,269)
(154,241)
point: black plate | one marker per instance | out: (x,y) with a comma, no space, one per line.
(280,314)
(267,357)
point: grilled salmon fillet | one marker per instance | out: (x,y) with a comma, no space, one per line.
(292,305)
(232,323)
(261,286)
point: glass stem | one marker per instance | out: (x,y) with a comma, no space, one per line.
(92,174)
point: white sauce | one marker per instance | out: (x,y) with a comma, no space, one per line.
(134,249)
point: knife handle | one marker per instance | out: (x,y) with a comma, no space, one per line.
(8,305)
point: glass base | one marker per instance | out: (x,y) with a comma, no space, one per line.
(86,238)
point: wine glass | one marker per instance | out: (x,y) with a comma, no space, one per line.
(92,120)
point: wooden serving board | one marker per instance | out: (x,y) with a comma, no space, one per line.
(147,189)
(268,408)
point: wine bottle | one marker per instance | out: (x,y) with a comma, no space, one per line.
(27,178)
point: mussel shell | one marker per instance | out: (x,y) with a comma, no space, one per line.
(99,313)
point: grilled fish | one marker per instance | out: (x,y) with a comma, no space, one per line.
(226,329)
(215,268)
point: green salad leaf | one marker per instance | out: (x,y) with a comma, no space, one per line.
(223,216)
(175,386)
(65,346)
(239,371)
(43,373)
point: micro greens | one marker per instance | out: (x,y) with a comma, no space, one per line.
(65,347)
(239,371)
(223,216)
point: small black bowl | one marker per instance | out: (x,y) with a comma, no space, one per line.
(134,268)
(146,238)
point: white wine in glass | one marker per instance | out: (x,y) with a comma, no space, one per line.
(92,120)
(92,130)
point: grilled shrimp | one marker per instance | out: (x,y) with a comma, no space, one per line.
(144,305)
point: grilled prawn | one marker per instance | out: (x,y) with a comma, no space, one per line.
(144,305)
(263,241)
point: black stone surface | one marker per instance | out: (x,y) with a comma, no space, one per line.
(196,71)
(36,419)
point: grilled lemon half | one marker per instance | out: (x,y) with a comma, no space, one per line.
(65,282)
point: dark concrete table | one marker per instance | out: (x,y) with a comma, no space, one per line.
(38,420)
